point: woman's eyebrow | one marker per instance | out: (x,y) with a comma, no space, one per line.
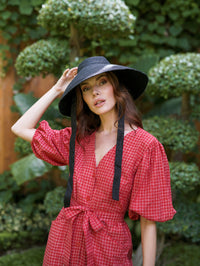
(85,82)
(103,75)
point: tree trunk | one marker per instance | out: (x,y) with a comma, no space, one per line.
(185,107)
(74,43)
(185,113)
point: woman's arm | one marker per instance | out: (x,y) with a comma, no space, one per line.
(148,238)
(25,126)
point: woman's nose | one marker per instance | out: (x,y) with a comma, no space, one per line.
(95,90)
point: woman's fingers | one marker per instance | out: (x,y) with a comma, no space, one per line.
(71,73)
(67,76)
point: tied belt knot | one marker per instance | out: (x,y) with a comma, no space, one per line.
(92,222)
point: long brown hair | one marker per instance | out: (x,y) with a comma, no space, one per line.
(88,122)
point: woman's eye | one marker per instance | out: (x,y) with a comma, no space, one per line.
(103,81)
(84,89)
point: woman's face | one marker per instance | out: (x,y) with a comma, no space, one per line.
(98,94)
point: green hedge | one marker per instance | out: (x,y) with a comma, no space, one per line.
(180,254)
(173,133)
(31,257)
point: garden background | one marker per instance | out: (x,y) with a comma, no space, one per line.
(37,42)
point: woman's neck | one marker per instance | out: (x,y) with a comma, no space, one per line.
(108,123)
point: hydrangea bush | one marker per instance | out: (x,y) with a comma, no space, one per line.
(175,75)
(94,18)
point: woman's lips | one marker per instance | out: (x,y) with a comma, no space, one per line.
(99,103)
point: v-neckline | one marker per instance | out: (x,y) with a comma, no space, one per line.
(94,147)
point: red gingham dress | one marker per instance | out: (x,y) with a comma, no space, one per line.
(92,231)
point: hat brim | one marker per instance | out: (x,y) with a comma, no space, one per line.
(135,82)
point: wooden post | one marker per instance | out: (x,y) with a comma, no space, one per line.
(7,118)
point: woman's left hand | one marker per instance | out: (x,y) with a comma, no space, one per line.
(67,76)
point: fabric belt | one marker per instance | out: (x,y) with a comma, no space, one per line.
(92,221)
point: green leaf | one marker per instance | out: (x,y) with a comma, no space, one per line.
(174,15)
(28,168)
(24,101)
(169,107)
(6,14)
(37,2)
(160,18)
(145,62)
(53,201)
(2,23)
(14,2)
(12,29)
(175,30)
(6,36)
(5,196)
(132,2)
(25,7)
(4,47)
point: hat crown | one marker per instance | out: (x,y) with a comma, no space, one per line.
(95,60)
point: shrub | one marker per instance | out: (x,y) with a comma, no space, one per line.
(43,57)
(175,75)
(173,133)
(33,257)
(14,219)
(186,222)
(8,187)
(93,18)
(179,253)
(184,176)
(53,201)
(22,147)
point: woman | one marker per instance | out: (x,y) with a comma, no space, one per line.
(115,166)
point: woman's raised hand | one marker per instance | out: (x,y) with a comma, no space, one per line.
(25,126)
(67,76)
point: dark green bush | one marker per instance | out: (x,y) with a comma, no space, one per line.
(180,254)
(53,201)
(18,25)
(8,187)
(94,19)
(173,133)
(186,222)
(19,240)
(196,112)
(174,75)
(184,176)
(14,219)
(30,257)
(43,57)
(22,147)
(162,28)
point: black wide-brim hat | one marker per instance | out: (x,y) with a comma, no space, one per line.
(135,81)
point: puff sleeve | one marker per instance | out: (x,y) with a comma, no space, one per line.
(51,145)
(151,193)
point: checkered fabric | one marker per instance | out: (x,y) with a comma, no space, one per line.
(92,230)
